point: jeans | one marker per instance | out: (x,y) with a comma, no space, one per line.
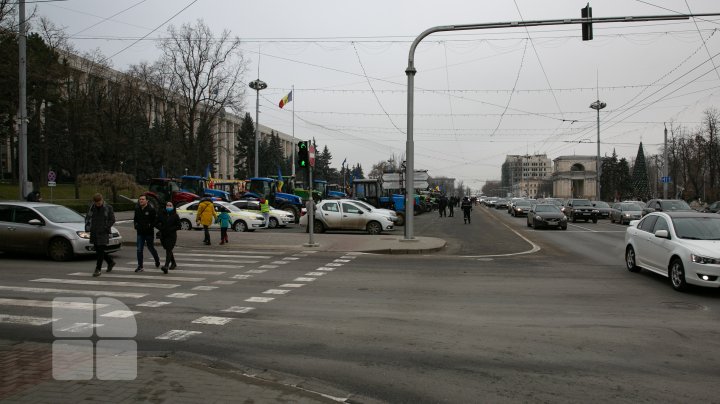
(149,240)
(266,219)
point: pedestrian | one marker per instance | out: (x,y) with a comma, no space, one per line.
(265,210)
(442,205)
(144,223)
(466,207)
(224,219)
(168,223)
(99,221)
(34,196)
(451,206)
(206,215)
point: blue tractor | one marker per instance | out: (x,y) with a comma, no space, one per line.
(199,186)
(264,187)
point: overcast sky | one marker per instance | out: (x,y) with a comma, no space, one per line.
(480,95)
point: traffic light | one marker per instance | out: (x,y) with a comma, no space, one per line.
(303,154)
(586,12)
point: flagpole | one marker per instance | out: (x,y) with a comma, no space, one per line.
(293,133)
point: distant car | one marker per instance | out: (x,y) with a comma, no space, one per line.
(278,218)
(580,209)
(54,230)
(625,212)
(603,209)
(242,220)
(521,207)
(713,207)
(682,246)
(343,214)
(501,203)
(666,205)
(546,215)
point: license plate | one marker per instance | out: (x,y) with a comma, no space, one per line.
(114,241)
(552,224)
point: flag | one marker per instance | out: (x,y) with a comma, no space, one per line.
(162,172)
(286,100)
(343,163)
(280,180)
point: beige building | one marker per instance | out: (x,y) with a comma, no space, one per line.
(575,177)
(527,175)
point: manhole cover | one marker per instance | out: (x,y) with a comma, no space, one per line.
(683,306)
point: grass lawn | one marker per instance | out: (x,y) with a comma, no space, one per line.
(64,194)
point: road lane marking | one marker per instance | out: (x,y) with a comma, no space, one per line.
(315,273)
(107,283)
(51,304)
(80,327)
(158,277)
(153,303)
(213,256)
(178,335)
(241,276)
(120,314)
(204,288)
(280,262)
(256,271)
(309,252)
(325,269)
(75,292)
(339,260)
(290,259)
(26,320)
(212,320)
(224,282)
(181,295)
(180,271)
(238,252)
(211,261)
(276,291)
(333,264)
(256,299)
(292,285)
(268,266)
(238,309)
(303,279)
(351,257)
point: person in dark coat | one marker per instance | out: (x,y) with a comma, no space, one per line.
(144,223)
(168,224)
(442,205)
(466,207)
(451,206)
(99,221)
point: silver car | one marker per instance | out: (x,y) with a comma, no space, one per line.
(45,228)
(343,214)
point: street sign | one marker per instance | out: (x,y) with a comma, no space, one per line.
(391,184)
(421,176)
(311,150)
(51,183)
(665,180)
(421,184)
(52,176)
(391,177)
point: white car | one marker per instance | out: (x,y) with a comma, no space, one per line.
(388,212)
(242,220)
(278,218)
(683,246)
(343,214)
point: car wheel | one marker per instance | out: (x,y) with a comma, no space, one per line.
(400,219)
(677,275)
(318,226)
(240,226)
(60,249)
(273,223)
(630,260)
(594,220)
(185,225)
(374,228)
(612,220)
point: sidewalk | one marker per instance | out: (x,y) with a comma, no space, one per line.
(26,377)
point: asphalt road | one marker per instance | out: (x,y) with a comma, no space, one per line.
(505,314)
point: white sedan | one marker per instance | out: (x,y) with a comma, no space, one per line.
(277,218)
(343,214)
(242,220)
(683,246)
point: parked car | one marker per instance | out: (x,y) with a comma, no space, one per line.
(521,207)
(682,246)
(278,218)
(389,212)
(713,207)
(343,214)
(242,220)
(53,230)
(664,205)
(603,209)
(546,215)
(625,212)
(581,209)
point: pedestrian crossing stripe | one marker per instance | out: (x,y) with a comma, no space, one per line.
(213,320)
(25,320)
(280,262)
(291,258)
(303,279)
(210,260)
(179,254)
(242,276)
(276,291)
(74,292)
(107,283)
(239,309)
(339,260)
(80,328)
(143,276)
(238,252)
(153,303)
(268,266)
(224,282)
(180,271)
(309,252)
(120,314)
(260,299)
(50,304)
(181,295)
(325,269)
(315,273)
(178,335)
(333,264)
(292,285)
(204,288)
(256,271)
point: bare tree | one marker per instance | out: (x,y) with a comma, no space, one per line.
(206,74)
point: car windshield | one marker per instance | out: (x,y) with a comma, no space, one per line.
(546,208)
(581,202)
(675,205)
(630,207)
(601,204)
(60,214)
(361,206)
(522,203)
(697,228)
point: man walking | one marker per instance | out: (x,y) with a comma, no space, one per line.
(144,223)
(466,207)
(99,221)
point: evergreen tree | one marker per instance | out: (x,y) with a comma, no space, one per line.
(640,186)
(245,148)
(624,180)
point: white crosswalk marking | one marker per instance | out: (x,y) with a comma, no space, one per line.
(51,304)
(238,253)
(333,264)
(153,303)
(292,285)
(179,271)
(256,271)
(143,276)
(260,299)
(268,266)
(219,266)
(120,314)
(73,292)
(213,320)
(309,252)
(214,261)
(350,257)
(80,327)
(242,276)
(304,279)
(315,273)
(178,335)
(224,282)
(27,320)
(181,295)
(276,291)
(204,288)
(107,283)
(325,269)
(290,259)
(280,262)
(239,309)
(211,255)
(341,260)
(299,255)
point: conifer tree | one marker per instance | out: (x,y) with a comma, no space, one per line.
(641,188)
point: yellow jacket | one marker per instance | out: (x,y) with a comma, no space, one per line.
(206,213)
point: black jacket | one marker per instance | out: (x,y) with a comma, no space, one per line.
(168,224)
(99,222)
(466,206)
(144,219)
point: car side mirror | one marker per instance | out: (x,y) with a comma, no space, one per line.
(662,234)
(35,222)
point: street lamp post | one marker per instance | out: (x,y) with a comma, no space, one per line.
(257,85)
(598,105)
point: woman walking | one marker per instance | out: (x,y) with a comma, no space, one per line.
(168,224)
(99,221)
(206,215)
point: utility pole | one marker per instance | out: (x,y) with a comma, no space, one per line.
(665,167)
(22,104)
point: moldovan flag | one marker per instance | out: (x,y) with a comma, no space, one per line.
(286,100)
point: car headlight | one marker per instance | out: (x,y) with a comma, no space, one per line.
(627,215)
(703,260)
(83,234)
(538,217)
(519,209)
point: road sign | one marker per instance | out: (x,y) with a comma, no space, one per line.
(51,183)
(665,180)
(311,150)
(52,176)
(391,177)
(421,176)
(396,184)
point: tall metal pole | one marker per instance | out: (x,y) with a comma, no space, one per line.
(597,172)
(257,131)
(293,133)
(22,104)
(665,167)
